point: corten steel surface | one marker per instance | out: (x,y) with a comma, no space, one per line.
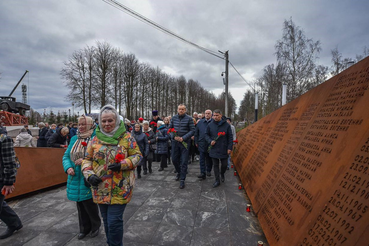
(40,168)
(305,167)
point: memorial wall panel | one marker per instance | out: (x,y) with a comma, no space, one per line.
(297,162)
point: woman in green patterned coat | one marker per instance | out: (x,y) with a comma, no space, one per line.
(112,156)
(88,211)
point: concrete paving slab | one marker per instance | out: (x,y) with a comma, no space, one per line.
(140,231)
(169,234)
(181,217)
(204,236)
(159,214)
(212,220)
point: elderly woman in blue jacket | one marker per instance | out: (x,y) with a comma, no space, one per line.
(77,189)
(162,144)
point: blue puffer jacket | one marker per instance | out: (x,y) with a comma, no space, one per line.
(224,143)
(76,189)
(142,142)
(73,131)
(200,135)
(162,142)
(184,126)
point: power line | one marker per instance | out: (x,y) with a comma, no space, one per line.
(253,87)
(157,26)
(142,18)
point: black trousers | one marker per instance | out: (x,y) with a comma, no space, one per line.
(147,161)
(224,163)
(163,160)
(88,216)
(7,215)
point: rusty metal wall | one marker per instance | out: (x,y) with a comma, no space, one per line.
(305,166)
(40,168)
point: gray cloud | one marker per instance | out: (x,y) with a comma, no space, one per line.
(40,35)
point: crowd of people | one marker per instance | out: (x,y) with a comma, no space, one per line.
(104,156)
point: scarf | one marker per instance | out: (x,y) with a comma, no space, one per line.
(89,125)
(78,150)
(117,120)
(111,139)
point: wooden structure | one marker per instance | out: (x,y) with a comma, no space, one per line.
(11,119)
(305,166)
(40,168)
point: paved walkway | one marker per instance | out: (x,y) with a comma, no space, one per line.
(159,214)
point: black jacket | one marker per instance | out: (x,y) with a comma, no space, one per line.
(224,143)
(150,137)
(141,140)
(49,133)
(162,142)
(41,141)
(200,135)
(184,126)
(56,139)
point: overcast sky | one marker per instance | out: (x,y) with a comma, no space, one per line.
(40,35)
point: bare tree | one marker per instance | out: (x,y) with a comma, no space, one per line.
(75,74)
(297,53)
(104,57)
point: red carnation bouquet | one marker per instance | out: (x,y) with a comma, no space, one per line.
(172,130)
(119,157)
(219,135)
(153,124)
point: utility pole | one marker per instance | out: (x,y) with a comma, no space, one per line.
(226,83)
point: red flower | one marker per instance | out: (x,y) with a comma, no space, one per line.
(171,130)
(147,134)
(235,141)
(84,144)
(153,123)
(219,134)
(119,157)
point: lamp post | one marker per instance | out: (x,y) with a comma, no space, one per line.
(73,111)
(226,81)
(284,94)
(256,106)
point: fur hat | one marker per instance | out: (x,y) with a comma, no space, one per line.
(154,113)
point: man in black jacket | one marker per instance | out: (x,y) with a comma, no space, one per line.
(203,145)
(58,139)
(7,180)
(219,135)
(185,129)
